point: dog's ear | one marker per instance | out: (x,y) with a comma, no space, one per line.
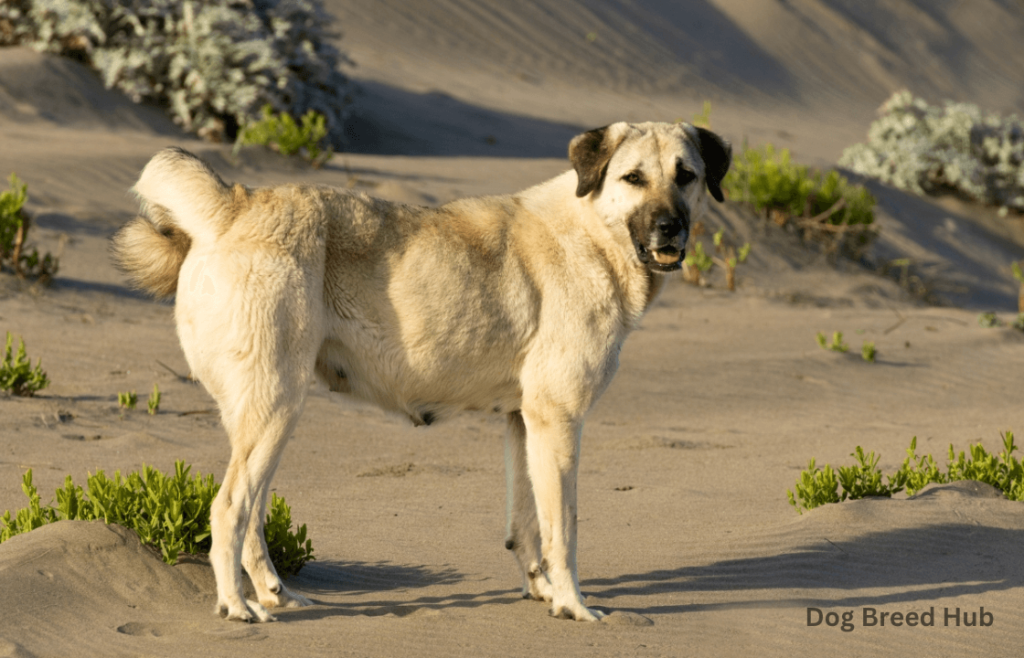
(589,154)
(717,155)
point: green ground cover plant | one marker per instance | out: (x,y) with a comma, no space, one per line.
(16,256)
(703,120)
(729,256)
(212,64)
(927,149)
(819,486)
(169,512)
(127,400)
(822,206)
(153,403)
(990,320)
(837,344)
(279,132)
(698,262)
(16,372)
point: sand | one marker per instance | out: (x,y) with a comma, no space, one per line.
(720,401)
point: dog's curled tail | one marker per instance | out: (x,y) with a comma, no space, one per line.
(183,201)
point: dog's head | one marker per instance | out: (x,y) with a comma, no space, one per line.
(647,181)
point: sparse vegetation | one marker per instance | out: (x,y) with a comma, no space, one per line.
(213,64)
(703,120)
(819,486)
(837,344)
(280,133)
(697,264)
(127,400)
(868,352)
(153,403)
(729,258)
(17,374)
(988,319)
(824,207)
(170,513)
(927,149)
(15,253)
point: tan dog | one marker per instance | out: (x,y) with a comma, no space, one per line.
(513,304)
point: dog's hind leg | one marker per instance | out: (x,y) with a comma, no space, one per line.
(258,436)
(523,537)
(552,453)
(270,591)
(254,349)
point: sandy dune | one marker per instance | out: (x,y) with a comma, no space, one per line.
(721,398)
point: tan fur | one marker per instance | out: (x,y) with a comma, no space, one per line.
(151,250)
(513,304)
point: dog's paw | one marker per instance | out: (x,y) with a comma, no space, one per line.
(284,598)
(248,611)
(576,611)
(538,588)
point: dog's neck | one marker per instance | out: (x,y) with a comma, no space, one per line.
(640,285)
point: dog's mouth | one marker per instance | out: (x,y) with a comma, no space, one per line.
(662,259)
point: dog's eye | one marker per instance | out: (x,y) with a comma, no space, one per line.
(634,178)
(684,176)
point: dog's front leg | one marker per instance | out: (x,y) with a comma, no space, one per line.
(552,453)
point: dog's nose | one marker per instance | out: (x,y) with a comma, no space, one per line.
(669,226)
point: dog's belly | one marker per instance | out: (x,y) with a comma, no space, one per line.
(425,387)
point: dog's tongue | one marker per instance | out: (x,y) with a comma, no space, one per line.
(666,256)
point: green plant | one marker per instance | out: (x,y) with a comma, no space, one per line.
(822,206)
(816,487)
(171,513)
(988,319)
(127,400)
(696,264)
(837,344)
(17,374)
(730,258)
(153,403)
(14,226)
(280,133)
(927,149)
(868,352)
(703,120)
(288,550)
(863,479)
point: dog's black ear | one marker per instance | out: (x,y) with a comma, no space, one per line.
(717,155)
(589,154)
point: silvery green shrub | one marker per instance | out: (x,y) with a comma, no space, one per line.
(214,63)
(927,149)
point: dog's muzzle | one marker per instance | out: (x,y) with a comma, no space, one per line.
(666,242)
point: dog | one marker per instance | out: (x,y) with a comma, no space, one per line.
(516,305)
